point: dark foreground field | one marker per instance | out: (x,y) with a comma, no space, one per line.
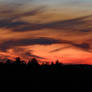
(71,76)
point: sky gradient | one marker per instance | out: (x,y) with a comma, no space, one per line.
(47,30)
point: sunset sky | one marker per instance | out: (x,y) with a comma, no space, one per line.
(47,30)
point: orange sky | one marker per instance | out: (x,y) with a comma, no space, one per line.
(47,33)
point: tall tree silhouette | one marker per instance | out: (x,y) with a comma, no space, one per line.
(18,61)
(34,61)
(33,65)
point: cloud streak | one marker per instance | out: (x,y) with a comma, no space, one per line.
(83,46)
(14,22)
(27,42)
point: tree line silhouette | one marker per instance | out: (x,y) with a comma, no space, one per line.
(34,66)
(18,69)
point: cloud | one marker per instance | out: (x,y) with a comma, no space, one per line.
(27,42)
(59,49)
(10,18)
(21,52)
(24,53)
(82,46)
(71,24)
(32,55)
(78,24)
(10,44)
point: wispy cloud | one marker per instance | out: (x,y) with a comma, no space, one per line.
(13,21)
(82,46)
(27,42)
(24,53)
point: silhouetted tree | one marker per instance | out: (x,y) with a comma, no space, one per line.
(8,61)
(57,62)
(18,61)
(52,63)
(34,61)
(33,65)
